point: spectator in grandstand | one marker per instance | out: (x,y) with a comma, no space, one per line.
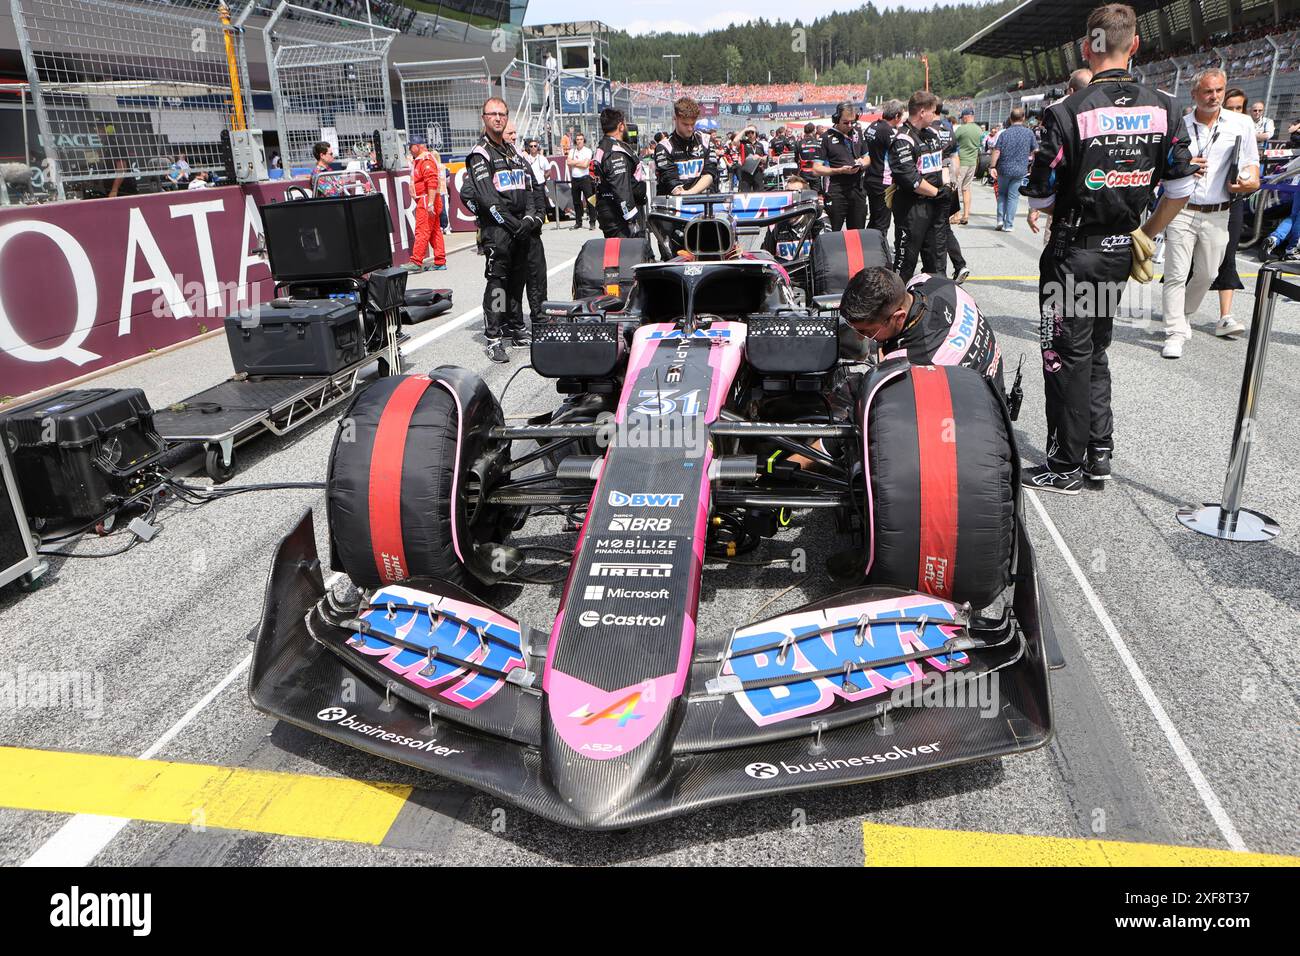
(1009,165)
(199,180)
(579,158)
(178,172)
(1227,281)
(967,136)
(324,154)
(1224,148)
(275,161)
(1263,125)
(123,183)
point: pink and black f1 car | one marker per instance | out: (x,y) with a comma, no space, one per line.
(699,413)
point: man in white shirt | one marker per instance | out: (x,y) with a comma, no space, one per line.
(1220,141)
(580,177)
(200,180)
(1263,125)
(541,165)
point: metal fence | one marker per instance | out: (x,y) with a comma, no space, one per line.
(649,111)
(329,75)
(442,101)
(527,90)
(125,89)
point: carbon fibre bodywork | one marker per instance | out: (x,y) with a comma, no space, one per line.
(710,751)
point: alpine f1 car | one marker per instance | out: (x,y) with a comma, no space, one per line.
(699,412)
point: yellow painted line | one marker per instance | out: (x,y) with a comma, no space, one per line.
(261,801)
(905,846)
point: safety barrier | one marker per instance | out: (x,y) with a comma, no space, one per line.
(327,73)
(127,90)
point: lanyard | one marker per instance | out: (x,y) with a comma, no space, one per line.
(1191,121)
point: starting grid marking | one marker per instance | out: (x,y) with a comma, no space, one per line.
(884,845)
(353,811)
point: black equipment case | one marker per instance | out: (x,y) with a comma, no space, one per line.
(79,453)
(341,237)
(838,256)
(296,337)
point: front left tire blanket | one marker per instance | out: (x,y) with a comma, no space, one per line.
(397,477)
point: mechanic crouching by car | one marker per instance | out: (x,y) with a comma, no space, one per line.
(1102,154)
(843,161)
(502,195)
(922,201)
(620,185)
(927,321)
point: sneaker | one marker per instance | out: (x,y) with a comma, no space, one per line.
(1097,467)
(1173,347)
(435,267)
(411,267)
(1227,325)
(1043,478)
(592,224)
(496,351)
(961,275)
(577,226)
(1293,254)
(521,341)
(1269,247)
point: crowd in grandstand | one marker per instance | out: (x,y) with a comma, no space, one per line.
(784,93)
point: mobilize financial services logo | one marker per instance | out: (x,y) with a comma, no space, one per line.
(619,499)
(1117,179)
(340,716)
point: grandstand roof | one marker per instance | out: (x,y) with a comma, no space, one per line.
(1038,25)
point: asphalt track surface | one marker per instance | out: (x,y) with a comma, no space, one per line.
(1176,715)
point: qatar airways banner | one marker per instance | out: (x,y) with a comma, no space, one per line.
(85,284)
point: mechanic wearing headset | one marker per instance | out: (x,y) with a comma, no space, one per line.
(928,320)
(620,185)
(502,193)
(843,161)
(1103,152)
(685,164)
(921,198)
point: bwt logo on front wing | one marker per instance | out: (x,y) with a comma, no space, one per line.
(605,569)
(592,618)
(619,499)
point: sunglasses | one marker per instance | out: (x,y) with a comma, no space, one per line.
(496,114)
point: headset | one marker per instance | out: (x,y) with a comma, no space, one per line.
(839,110)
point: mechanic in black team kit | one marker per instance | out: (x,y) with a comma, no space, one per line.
(952,163)
(620,188)
(877,177)
(502,196)
(928,321)
(685,164)
(922,201)
(843,161)
(808,152)
(1113,126)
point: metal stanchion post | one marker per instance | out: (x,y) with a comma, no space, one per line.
(1228,521)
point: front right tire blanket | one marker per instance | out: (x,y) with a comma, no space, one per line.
(942,482)
(400,476)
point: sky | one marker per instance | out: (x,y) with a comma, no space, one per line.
(683,16)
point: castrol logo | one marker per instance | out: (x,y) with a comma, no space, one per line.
(1118,179)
